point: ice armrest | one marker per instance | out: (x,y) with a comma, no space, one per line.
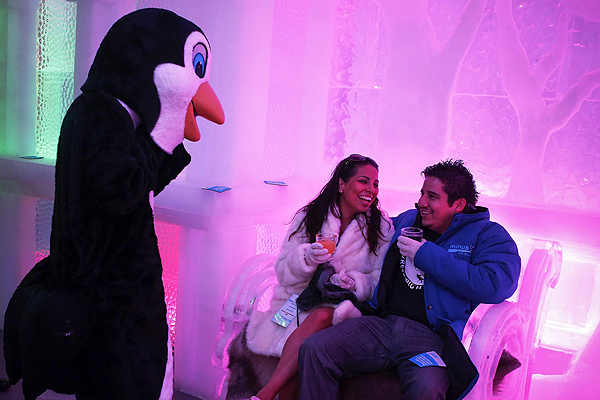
(514,326)
(251,287)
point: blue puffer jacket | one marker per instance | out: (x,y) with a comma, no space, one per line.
(474,261)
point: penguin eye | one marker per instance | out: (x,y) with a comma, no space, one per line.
(199,58)
(199,65)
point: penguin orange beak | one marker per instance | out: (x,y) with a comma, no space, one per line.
(205,104)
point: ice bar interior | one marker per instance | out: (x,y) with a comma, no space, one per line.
(511,87)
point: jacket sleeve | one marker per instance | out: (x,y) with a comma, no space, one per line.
(290,266)
(492,274)
(366,282)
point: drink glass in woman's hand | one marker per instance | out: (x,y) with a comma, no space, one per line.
(328,240)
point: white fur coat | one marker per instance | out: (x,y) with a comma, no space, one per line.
(352,254)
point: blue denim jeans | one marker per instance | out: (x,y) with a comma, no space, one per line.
(369,344)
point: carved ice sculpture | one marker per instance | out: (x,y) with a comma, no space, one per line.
(523,85)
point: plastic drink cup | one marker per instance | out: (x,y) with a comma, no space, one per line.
(412,232)
(328,240)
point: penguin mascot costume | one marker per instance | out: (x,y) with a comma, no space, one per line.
(90,319)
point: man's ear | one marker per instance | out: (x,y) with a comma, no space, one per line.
(459,205)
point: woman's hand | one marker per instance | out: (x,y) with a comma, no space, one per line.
(342,280)
(316,254)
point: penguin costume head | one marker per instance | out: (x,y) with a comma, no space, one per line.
(158,65)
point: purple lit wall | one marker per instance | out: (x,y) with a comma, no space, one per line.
(510,87)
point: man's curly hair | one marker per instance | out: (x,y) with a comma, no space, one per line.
(457,180)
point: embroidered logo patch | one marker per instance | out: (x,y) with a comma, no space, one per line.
(463,249)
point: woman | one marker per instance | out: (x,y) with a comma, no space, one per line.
(347,206)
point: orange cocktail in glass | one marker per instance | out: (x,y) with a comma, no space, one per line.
(328,240)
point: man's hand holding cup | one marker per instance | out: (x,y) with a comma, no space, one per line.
(409,242)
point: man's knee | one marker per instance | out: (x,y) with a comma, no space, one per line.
(312,346)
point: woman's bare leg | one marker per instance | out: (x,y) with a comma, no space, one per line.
(287,367)
(291,391)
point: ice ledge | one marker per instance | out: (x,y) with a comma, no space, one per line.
(180,204)
(259,203)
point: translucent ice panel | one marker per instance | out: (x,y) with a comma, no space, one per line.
(55,61)
(168,246)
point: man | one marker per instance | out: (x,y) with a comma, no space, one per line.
(426,292)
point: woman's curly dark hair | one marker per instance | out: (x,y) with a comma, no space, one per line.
(328,200)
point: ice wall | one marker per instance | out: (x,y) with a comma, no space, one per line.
(411,82)
(403,78)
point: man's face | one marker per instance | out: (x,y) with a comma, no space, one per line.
(433,205)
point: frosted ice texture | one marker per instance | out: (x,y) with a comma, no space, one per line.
(168,247)
(269,238)
(284,108)
(43,227)
(153,3)
(355,81)
(55,63)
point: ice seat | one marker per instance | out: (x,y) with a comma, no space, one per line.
(515,325)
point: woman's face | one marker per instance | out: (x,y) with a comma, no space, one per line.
(359,192)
